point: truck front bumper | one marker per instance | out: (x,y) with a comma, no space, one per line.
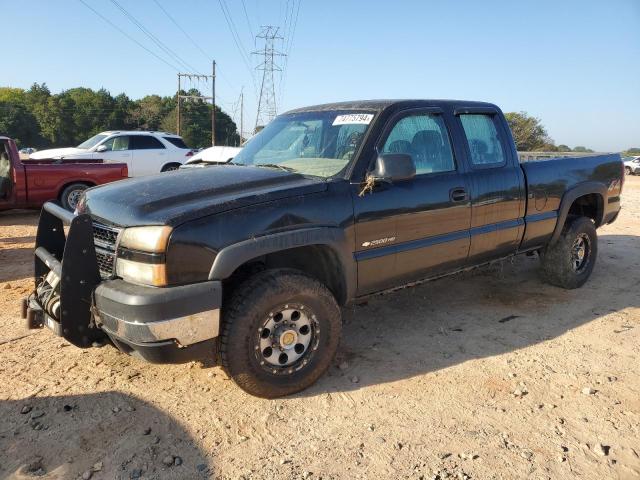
(161,325)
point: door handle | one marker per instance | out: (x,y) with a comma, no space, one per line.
(458,195)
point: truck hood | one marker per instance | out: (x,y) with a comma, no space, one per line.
(56,152)
(173,198)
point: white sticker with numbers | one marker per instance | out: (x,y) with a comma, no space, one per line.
(354,118)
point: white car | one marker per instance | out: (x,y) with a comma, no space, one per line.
(631,165)
(144,153)
(213,155)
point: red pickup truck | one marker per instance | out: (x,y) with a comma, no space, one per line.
(33,182)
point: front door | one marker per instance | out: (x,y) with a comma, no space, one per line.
(416,228)
(118,150)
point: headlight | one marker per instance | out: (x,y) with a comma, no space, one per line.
(141,255)
(146,239)
(142,273)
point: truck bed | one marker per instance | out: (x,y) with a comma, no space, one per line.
(549,180)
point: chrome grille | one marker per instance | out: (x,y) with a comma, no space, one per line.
(105,239)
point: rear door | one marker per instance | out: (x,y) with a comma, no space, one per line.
(420,227)
(496,184)
(149,155)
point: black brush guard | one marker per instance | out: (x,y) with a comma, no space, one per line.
(66,274)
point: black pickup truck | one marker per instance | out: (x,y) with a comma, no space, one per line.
(249,262)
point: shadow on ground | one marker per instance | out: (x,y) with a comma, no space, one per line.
(482,313)
(116,434)
(18,218)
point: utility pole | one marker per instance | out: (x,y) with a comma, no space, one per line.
(192,76)
(241,114)
(267,102)
(178,95)
(213,105)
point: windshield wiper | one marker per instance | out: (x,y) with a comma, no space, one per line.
(275,165)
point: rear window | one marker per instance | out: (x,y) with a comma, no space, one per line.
(484,141)
(146,142)
(177,141)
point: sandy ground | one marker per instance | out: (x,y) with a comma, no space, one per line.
(488,374)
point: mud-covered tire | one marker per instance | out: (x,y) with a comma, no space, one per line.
(250,308)
(561,265)
(71,194)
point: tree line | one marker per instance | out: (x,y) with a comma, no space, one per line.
(530,136)
(38,118)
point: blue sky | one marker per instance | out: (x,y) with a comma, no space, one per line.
(573,64)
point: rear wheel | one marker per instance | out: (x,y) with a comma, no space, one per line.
(169,167)
(280,332)
(569,261)
(627,170)
(71,195)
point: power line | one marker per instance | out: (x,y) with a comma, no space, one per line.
(236,39)
(246,15)
(186,34)
(234,32)
(288,47)
(153,38)
(128,36)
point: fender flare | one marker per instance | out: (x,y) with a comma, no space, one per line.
(233,256)
(570,196)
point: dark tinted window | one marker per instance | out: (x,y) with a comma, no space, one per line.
(145,142)
(178,142)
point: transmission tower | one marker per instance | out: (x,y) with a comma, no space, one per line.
(267,100)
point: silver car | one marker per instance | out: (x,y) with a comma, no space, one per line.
(631,165)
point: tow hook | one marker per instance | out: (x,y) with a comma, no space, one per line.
(34,318)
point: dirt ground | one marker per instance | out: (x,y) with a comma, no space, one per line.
(488,374)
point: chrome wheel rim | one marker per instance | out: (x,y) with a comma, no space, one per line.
(73,198)
(580,253)
(287,339)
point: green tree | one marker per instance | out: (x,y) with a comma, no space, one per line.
(632,151)
(148,112)
(528,132)
(564,148)
(195,121)
(582,149)
(38,118)
(18,122)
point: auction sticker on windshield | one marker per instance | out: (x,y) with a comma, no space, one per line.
(354,118)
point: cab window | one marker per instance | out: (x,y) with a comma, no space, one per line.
(483,140)
(425,138)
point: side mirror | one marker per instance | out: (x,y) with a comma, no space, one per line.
(101,148)
(394,167)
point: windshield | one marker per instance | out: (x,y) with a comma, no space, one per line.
(92,142)
(311,143)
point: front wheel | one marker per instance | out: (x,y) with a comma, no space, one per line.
(280,332)
(569,261)
(627,170)
(71,195)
